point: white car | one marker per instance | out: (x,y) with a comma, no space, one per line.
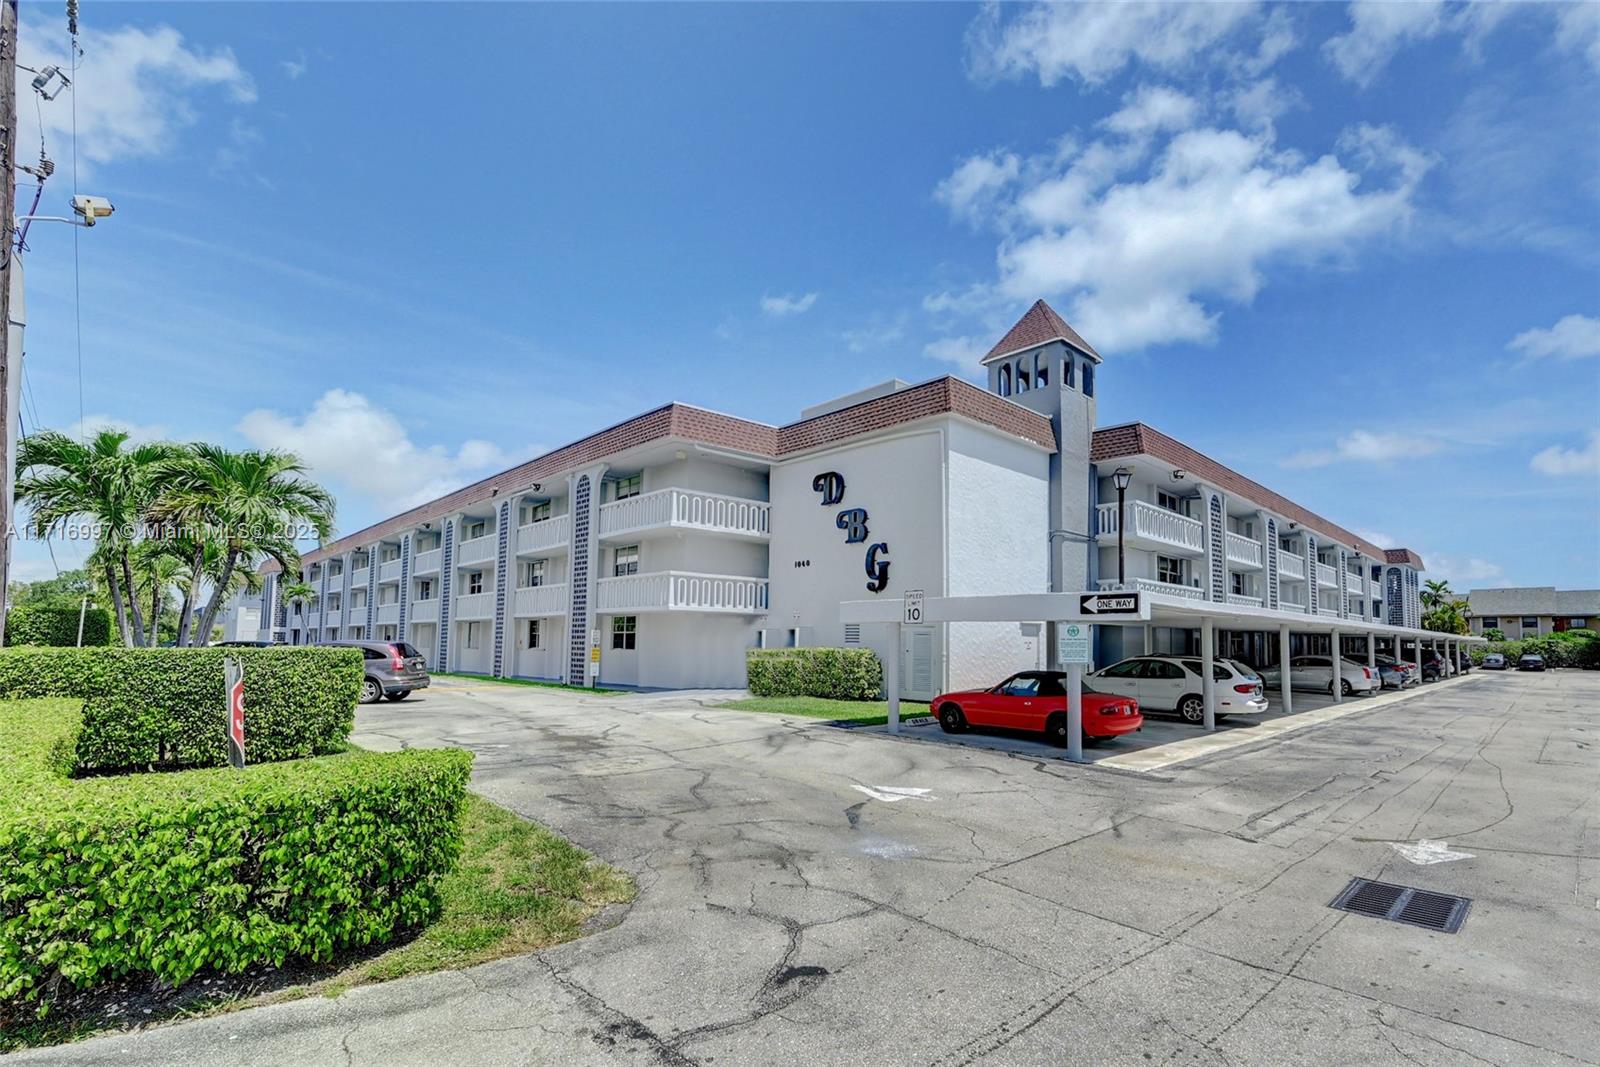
(1316,672)
(1173,683)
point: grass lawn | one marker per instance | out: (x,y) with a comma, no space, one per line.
(528,681)
(517,888)
(862,712)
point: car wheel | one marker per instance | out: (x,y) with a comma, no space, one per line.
(1055,730)
(951,721)
(371,691)
(1345,688)
(401,695)
(1192,708)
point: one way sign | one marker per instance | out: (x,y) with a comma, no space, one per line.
(1109,604)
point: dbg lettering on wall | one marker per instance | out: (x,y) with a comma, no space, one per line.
(853,521)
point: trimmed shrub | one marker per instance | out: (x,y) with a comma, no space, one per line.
(51,624)
(833,673)
(165,707)
(167,874)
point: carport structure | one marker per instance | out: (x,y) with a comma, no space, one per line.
(1145,610)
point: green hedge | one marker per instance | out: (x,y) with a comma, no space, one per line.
(165,707)
(166,874)
(833,673)
(1572,648)
(49,624)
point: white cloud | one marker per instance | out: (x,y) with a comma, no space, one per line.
(1578,30)
(1377,537)
(1378,30)
(1364,446)
(1153,109)
(1574,337)
(294,69)
(1463,574)
(971,189)
(1259,104)
(1094,42)
(964,352)
(1558,461)
(1144,260)
(135,89)
(781,306)
(348,441)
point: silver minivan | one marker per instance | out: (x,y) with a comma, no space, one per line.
(393,669)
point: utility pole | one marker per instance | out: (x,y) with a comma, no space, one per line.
(8,196)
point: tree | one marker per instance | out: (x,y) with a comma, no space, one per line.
(1493,634)
(250,504)
(1435,592)
(66,589)
(102,481)
(297,592)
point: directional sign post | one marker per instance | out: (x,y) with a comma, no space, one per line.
(1108,604)
(233,683)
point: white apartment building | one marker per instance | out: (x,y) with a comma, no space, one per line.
(656,552)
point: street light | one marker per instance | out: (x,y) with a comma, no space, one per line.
(1120,478)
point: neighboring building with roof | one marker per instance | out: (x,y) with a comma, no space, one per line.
(656,552)
(1533,610)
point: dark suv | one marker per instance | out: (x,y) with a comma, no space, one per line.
(394,669)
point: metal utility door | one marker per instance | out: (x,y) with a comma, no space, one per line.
(921,671)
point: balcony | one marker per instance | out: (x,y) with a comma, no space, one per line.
(1153,528)
(536,600)
(1374,589)
(1291,601)
(390,571)
(387,614)
(425,562)
(1326,575)
(360,577)
(1244,551)
(425,610)
(332,620)
(1148,585)
(1291,566)
(1327,609)
(670,510)
(544,536)
(474,606)
(724,594)
(478,550)
(1243,601)
(311,620)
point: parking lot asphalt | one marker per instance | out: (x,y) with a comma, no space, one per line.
(801,901)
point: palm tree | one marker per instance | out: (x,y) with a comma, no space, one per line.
(251,502)
(1435,593)
(297,592)
(99,480)
(158,566)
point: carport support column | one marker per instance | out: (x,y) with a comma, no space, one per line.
(1338,667)
(891,677)
(1075,712)
(1283,668)
(1372,656)
(1208,683)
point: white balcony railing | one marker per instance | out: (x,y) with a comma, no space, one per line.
(1291,566)
(332,619)
(1291,601)
(682,591)
(1326,575)
(543,536)
(1245,551)
(311,620)
(478,550)
(387,613)
(536,600)
(425,610)
(425,562)
(1149,585)
(1244,601)
(1327,609)
(359,577)
(1150,525)
(390,571)
(1374,589)
(687,509)
(474,606)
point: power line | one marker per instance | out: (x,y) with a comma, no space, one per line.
(77,299)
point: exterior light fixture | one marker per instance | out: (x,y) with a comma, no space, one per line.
(1120,478)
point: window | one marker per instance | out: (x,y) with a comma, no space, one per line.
(1530,623)
(472,635)
(1022,376)
(1160,669)
(1236,583)
(1578,624)
(1041,371)
(531,512)
(533,633)
(624,632)
(1021,686)
(1172,502)
(476,528)
(623,488)
(474,582)
(1491,622)
(1066,372)
(425,589)
(1088,378)
(1126,669)
(1005,379)
(1169,570)
(626,561)
(335,601)
(532,573)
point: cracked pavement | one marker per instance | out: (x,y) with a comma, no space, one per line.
(1026,912)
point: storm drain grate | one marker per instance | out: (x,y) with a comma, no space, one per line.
(1403,904)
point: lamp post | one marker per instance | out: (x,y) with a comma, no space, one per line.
(1120,478)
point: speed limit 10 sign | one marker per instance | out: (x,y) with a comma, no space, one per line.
(913,600)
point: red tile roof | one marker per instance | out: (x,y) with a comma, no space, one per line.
(1038,325)
(1136,439)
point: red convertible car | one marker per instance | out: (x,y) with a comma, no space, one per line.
(1037,701)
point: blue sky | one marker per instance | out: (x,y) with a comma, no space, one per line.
(1349,250)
